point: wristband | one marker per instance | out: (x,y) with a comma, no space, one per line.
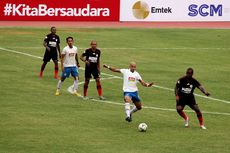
(108,67)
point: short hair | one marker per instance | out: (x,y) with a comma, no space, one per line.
(52,27)
(190,69)
(69,38)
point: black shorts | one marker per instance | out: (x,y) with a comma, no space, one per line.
(190,101)
(52,54)
(91,70)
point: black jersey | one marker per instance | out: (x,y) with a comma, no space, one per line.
(52,41)
(92,56)
(186,86)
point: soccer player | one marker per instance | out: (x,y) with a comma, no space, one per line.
(52,45)
(69,65)
(130,79)
(91,57)
(184,89)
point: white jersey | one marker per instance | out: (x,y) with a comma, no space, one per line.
(70,53)
(130,80)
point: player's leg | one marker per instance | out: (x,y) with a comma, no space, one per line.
(98,83)
(65,74)
(196,108)
(128,101)
(46,59)
(56,69)
(137,103)
(87,80)
(180,111)
(55,60)
(74,73)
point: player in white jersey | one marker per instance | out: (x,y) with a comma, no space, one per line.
(130,79)
(69,65)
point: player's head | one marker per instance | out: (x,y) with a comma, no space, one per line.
(69,41)
(93,44)
(132,66)
(189,72)
(53,30)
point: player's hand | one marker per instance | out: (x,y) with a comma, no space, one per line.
(150,84)
(207,94)
(105,66)
(177,98)
(78,65)
(87,63)
(62,68)
(48,48)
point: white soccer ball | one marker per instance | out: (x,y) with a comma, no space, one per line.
(142,127)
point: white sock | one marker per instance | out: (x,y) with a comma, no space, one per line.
(134,109)
(75,85)
(59,84)
(127,109)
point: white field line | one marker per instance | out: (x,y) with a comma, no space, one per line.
(160,87)
(135,48)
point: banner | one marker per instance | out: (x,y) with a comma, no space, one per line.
(175,10)
(58,10)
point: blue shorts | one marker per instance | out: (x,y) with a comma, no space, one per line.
(133,95)
(70,70)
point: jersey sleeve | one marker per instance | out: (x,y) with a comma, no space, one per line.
(46,39)
(58,40)
(138,77)
(85,53)
(63,51)
(122,71)
(196,83)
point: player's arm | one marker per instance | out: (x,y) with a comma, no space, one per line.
(99,65)
(112,68)
(59,51)
(62,60)
(176,90)
(203,90)
(82,57)
(77,61)
(45,45)
(145,84)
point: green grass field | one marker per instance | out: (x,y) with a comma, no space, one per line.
(33,120)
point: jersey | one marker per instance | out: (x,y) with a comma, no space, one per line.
(92,56)
(186,86)
(70,54)
(130,80)
(52,41)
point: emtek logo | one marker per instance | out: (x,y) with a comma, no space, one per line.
(205,10)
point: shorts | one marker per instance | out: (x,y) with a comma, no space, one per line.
(190,101)
(133,95)
(52,54)
(70,70)
(89,71)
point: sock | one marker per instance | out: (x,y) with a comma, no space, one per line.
(99,89)
(127,109)
(59,85)
(42,68)
(134,109)
(85,88)
(200,118)
(75,85)
(56,71)
(182,114)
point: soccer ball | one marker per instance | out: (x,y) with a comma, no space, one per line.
(142,127)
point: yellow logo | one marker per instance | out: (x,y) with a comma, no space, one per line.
(140,10)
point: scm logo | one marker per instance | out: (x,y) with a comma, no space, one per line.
(205,10)
(140,10)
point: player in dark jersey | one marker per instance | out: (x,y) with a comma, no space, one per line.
(184,89)
(91,57)
(52,45)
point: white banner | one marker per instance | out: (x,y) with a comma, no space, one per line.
(175,10)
